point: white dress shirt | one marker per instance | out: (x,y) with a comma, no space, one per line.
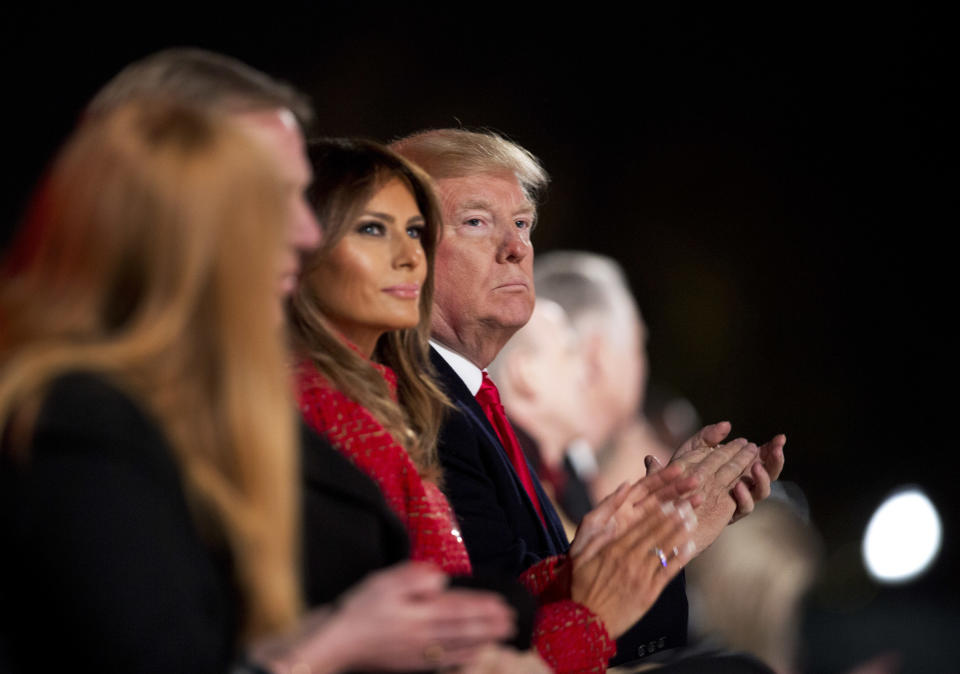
(471,375)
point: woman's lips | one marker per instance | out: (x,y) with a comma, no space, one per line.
(405,291)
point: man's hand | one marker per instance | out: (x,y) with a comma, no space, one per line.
(696,447)
(627,506)
(755,486)
(719,469)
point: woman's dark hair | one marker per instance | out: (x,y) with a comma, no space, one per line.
(346,175)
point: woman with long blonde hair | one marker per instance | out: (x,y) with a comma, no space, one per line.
(142,264)
(148,500)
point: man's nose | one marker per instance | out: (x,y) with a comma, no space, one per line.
(515,245)
(306,230)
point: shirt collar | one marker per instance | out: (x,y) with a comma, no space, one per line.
(471,375)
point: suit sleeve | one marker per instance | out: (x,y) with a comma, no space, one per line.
(488,531)
(103,567)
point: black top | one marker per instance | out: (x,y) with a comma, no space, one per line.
(102,567)
(348,528)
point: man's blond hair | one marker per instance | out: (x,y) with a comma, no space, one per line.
(455,153)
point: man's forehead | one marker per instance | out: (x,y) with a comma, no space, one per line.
(278,131)
(277,119)
(489,191)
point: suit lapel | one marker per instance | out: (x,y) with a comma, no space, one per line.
(466,403)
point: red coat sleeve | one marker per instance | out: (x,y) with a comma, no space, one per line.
(568,635)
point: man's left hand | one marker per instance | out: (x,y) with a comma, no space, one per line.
(755,486)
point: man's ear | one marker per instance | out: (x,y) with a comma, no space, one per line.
(520,373)
(594,346)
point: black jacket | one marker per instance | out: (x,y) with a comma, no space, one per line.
(348,529)
(102,567)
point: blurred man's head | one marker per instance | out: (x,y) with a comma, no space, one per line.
(540,374)
(205,80)
(593,291)
(273,112)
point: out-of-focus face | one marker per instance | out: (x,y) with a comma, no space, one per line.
(557,369)
(370,282)
(278,132)
(620,380)
(484,267)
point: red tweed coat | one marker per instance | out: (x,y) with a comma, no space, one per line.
(568,636)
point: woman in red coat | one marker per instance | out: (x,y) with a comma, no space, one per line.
(362,318)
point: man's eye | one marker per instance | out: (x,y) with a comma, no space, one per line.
(521,224)
(371,228)
(415,232)
(474,222)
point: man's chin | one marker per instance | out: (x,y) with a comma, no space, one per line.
(513,317)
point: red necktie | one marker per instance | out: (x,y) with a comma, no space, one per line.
(489,399)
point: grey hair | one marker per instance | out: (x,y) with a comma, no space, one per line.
(455,153)
(203,80)
(591,288)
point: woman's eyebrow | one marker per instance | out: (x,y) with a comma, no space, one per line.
(382,216)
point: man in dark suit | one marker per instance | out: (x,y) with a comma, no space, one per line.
(484,293)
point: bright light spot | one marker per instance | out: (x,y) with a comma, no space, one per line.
(903,537)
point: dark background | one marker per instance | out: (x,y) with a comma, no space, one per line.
(772,182)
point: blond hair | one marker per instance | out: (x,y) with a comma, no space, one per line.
(746,590)
(347,173)
(145,258)
(455,153)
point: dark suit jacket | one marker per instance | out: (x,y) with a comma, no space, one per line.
(348,529)
(102,567)
(500,525)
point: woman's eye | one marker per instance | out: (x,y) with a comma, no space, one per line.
(372,228)
(415,232)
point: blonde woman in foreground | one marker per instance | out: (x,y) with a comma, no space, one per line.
(148,509)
